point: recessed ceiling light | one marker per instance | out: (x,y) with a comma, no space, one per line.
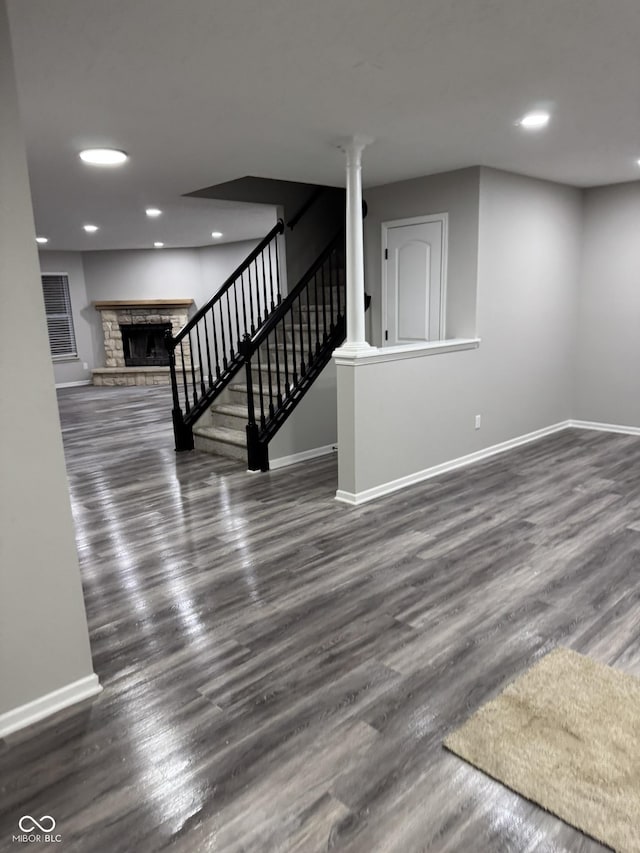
(535,120)
(90,229)
(158,244)
(42,239)
(103,156)
(216,235)
(153,211)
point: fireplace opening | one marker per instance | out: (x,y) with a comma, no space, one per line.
(143,344)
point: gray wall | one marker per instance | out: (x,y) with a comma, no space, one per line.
(314,422)
(73,369)
(414,414)
(607,388)
(452,192)
(313,233)
(43,631)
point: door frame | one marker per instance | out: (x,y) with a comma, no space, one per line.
(443,219)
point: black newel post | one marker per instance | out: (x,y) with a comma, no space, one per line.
(182,432)
(257,459)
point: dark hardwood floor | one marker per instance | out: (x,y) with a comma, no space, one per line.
(280,669)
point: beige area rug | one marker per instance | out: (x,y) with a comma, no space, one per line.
(566,735)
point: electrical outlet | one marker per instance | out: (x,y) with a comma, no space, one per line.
(478,421)
(85,366)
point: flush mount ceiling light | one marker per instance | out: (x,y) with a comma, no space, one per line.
(158,244)
(535,120)
(153,211)
(90,229)
(216,235)
(42,239)
(103,156)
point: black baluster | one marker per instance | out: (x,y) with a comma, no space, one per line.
(224,337)
(206,341)
(193,371)
(309,347)
(293,346)
(324,304)
(301,333)
(229,327)
(265,299)
(338,276)
(235,300)
(187,405)
(271,279)
(202,388)
(251,286)
(286,357)
(271,409)
(275,337)
(260,389)
(244,305)
(315,287)
(278,272)
(215,339)
(331,291)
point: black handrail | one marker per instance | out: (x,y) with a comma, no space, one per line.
(205,354)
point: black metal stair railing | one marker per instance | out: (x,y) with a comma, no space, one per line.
(206,353)
(284,357)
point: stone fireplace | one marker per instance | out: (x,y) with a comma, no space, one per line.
(133,332)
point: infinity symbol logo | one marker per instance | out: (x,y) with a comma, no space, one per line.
(45,824)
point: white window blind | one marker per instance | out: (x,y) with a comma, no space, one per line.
(62,338)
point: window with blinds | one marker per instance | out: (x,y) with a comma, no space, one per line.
(62,337)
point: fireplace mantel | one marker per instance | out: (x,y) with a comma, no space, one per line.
(115,304)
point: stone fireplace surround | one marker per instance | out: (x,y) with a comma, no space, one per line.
(121,312)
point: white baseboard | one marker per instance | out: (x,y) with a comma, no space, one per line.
(73,384)
(356,498)
(626,430)
(44,706)
(285,461)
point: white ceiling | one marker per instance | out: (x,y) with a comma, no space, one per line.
(204,91)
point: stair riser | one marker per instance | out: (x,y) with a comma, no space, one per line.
(241,378)
(281,365)
(239,395)
(220,419)
(220,448)
(289,335)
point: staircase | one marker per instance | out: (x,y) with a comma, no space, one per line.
(245,360)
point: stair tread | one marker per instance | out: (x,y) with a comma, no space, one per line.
(226,436)
(234,409)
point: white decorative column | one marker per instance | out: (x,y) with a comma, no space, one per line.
(355,341)
(355,351)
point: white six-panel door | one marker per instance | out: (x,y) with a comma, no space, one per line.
(413,279)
